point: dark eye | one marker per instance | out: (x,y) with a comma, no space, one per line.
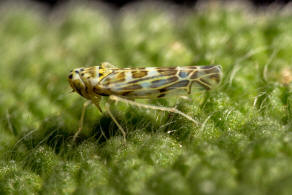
(100,74)
(77,71)
(70,76)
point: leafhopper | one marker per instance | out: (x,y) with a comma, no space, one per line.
(127,84)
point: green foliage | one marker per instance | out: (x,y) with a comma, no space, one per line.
(244,142)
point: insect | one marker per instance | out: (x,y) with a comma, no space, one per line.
(127,84)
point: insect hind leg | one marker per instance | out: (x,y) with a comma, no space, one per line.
(161,108)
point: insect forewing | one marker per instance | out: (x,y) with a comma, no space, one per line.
(157,82)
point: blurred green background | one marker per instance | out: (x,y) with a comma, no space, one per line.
(244,144)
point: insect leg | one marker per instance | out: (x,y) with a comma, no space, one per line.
(166,109)
(81,119)
(107,106)
(95,100)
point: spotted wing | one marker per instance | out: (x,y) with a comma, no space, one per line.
(155,82)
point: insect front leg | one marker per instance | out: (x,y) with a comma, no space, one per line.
(95,101)
(85,105)
(166,109)
(107,106)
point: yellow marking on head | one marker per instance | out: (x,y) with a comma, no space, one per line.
(104,72)
(101,73)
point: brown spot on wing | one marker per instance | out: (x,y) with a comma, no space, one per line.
(130,87)
(195,74)
(112,78)
(139,74)
(120,76)
(190,67)
(168,71)
(143,79)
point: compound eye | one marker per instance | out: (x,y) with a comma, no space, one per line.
(70,76)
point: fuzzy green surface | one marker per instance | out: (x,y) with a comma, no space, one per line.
(244,142)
